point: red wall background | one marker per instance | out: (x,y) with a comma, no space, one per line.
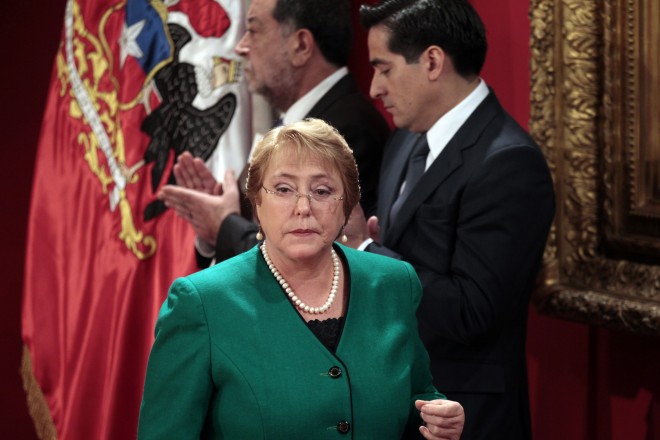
(585,382)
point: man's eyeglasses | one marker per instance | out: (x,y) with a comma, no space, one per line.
(320,197)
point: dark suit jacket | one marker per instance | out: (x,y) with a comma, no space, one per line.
(474,228)
(365,131)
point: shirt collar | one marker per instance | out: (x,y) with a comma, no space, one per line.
(439,135)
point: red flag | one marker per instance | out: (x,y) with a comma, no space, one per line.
(134,85)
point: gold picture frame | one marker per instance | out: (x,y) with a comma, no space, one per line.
(594,93)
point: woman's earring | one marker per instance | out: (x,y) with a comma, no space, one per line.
(344,238)
(259,235)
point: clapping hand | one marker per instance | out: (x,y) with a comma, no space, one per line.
(199,198)
(192,173)
(358,229)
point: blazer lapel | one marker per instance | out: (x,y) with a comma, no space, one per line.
(444,165)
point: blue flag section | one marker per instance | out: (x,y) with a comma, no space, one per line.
(144,36)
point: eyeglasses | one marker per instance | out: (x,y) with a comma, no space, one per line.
(321,197)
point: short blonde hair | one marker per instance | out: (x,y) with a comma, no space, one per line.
(307,138)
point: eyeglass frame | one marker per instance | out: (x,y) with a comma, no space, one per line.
(297,195)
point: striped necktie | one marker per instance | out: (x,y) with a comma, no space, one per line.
(414,171)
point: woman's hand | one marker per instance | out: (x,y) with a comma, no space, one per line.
(443,419)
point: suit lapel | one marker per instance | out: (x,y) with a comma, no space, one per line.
(345,86)
(444,165)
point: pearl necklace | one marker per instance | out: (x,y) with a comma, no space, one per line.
(289,291)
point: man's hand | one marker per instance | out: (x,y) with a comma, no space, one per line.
(204,211)
(374,228)
(192,173)
(358,229)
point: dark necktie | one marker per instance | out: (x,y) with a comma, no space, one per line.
(416,165)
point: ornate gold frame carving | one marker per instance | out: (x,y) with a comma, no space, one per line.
(589,112)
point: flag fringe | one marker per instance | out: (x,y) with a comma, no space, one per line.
(36,402)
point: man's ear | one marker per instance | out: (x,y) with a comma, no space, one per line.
(434,59)
(302,46)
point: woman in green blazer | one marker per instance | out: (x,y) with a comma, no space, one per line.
(300,337)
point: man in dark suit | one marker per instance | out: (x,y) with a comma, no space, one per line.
(295,55)
(473,214)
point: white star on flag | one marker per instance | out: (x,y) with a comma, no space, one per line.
(127,42)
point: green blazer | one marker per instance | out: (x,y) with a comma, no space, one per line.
(233,359)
